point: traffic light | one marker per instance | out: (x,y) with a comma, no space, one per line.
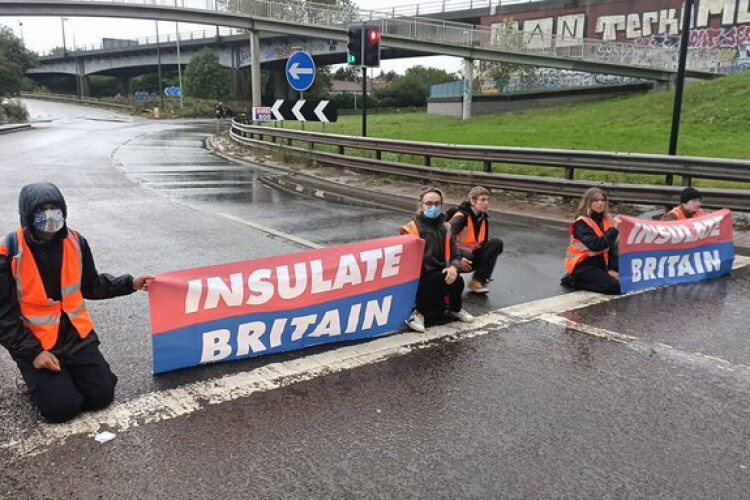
(354,46)
(371,50)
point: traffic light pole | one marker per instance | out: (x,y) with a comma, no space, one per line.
(680,83)
(364,101)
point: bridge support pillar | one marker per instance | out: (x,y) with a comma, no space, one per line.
(85,88)
(468,88)
(255,67)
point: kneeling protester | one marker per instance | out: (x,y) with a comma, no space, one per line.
(253,308)
(654,254)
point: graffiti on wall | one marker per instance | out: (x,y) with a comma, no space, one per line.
(547,79)
(647,24)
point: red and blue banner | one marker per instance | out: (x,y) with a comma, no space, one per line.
(654,254)
(267,306)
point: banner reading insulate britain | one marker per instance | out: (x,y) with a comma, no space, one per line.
(654,254)
(266,306)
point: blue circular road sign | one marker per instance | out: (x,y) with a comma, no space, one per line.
(300,71)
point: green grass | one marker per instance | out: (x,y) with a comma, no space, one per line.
(715,123)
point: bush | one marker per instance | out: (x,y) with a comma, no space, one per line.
(13,112)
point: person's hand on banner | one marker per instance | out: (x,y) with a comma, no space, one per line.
(615,220)
(141,283)
(614,274)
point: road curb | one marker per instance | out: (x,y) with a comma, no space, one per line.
(9,129)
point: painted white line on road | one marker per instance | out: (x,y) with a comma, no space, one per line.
(172,403)
(710,364)
(587,329)
(271,231)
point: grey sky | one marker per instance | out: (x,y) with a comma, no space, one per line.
(44,33)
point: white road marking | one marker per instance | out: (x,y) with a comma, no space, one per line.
(165,405)
(271,231)
(711,364)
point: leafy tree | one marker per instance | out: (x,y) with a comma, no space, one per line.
(205,78)
(346,73)
(507,36)
(14,61)
(322,85)
(413,88)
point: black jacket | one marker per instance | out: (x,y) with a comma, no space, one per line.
(588,237)
(433,232)
(18,340)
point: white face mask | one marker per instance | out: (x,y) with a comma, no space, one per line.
(49,221)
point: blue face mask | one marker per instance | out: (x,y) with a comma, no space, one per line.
(432,212)
(49,221)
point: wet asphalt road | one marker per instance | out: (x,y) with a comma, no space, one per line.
(528,409)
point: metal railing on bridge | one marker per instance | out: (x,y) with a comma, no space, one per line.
(120,43)
(486,156)
(450,34)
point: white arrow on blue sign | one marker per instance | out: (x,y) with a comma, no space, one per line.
(300,71)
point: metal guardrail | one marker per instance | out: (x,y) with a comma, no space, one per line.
(445,6)
(125,43)
(688,167)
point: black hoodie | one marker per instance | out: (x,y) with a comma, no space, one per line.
(18,340)
(433,232)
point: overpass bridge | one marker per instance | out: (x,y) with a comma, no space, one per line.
(413,35)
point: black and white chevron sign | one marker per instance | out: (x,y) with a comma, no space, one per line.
(305,111)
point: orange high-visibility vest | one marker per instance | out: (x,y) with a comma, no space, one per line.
(40,314)
(466,239)
(680,215)
(578,252)
(412,229)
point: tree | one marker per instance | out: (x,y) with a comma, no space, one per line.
(413,88)
(507,36)
(346,73)
(205,78)
(15,60)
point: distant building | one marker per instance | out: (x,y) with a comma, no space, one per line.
(355,88)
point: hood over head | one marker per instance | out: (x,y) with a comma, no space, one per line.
(34,196)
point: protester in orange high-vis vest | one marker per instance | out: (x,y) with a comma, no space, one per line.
(689,207)
(440,265)
(46,272)
(470,227)
(592,262)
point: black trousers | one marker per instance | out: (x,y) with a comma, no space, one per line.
(485,258)
(85,382)
(432,292)
(595,278)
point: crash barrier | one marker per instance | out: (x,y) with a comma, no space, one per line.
(688,168)
(76,99)
(278,304)
(654,254)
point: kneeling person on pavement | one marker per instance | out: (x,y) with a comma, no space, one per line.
(46,272)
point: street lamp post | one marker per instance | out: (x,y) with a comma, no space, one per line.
(20,25)
(158,63)
(62,23)
(179,60)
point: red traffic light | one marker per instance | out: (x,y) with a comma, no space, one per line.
(373,35)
